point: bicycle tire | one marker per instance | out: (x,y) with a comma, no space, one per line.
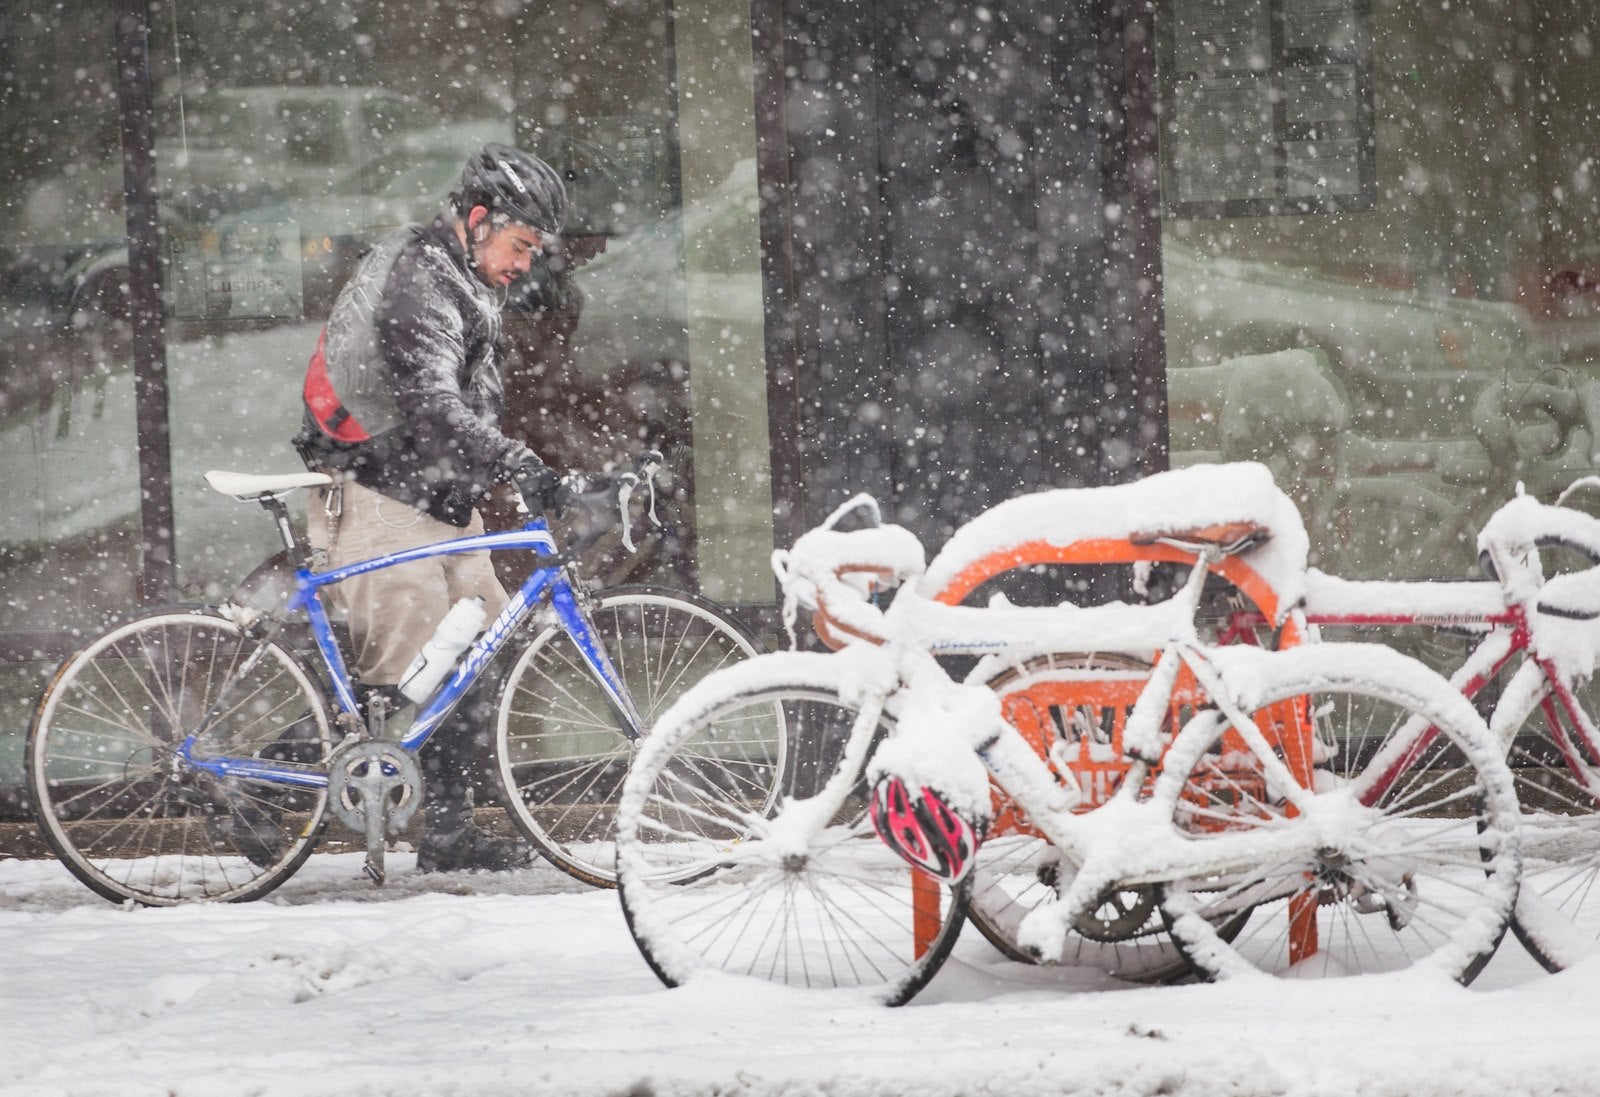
(707,885)
(1079,701)
(1422,868)
(116,805)
(559,752)
(1558,787)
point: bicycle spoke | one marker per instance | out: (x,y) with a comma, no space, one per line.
(141,825)
(834,908)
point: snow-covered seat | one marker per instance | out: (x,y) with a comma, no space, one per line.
(1127,523)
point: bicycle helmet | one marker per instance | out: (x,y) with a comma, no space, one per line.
(924,829)
(509,181)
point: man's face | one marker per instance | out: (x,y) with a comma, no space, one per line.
(506,254)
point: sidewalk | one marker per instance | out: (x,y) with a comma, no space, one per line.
(22,840)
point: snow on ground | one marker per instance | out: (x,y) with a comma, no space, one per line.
(530,985)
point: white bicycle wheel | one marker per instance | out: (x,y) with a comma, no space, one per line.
(803,896)
(118,805)
(1413,855)
(561,754)
(1557,780)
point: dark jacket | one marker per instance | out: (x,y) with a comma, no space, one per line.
(412,350)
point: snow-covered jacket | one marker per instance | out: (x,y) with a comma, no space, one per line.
(412,351)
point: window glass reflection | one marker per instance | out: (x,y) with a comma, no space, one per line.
(1425,356)
(69,495)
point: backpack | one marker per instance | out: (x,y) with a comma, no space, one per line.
(323,406)
(331,434)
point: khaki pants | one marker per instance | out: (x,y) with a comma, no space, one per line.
(393,611)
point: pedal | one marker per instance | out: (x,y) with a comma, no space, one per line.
(375,788)
(1397,901)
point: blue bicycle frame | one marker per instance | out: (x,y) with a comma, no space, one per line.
(549,579)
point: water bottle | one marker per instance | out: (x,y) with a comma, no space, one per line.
(438,656)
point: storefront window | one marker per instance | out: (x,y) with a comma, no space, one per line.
(1381,253)
(291,136)
(69,472)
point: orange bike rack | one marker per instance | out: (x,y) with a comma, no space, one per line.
(1105,703)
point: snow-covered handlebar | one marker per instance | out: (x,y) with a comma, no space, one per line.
(836,574)
(1509,544)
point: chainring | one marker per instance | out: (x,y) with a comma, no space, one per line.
(364,772)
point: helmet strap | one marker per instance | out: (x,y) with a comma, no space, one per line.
(477,234)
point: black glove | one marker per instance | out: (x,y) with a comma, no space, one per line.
(540,485)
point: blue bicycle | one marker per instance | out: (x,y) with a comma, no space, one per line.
(198,753)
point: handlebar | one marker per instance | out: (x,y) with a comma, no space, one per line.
(837,574)
(600,501)
(862,502)
(1509,544)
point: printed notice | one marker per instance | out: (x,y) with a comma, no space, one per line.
(248,270)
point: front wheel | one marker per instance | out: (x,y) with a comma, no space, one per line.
(805,895)
(1411,856)
(562,756)
(116,800)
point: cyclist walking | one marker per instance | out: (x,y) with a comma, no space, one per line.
(402,405)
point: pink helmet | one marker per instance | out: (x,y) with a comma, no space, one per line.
(923,829)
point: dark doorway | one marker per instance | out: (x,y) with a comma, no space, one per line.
(972,244)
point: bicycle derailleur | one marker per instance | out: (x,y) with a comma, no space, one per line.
(1374,886)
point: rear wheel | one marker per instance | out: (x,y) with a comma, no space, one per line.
(1072,710)
(561,754)
(1558,785)
(805,895)
(1414,857)
(125,813)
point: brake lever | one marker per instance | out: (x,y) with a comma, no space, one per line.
(648,464)
(625,485)
(521,500)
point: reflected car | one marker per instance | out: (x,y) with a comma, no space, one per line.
(1398,419)
(218,152)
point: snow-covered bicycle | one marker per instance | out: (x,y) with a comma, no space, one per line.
(193,753)
(1532,642)
(1533,631)
(1226,813)
(1072,707)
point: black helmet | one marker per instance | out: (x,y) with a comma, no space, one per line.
(510,181)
